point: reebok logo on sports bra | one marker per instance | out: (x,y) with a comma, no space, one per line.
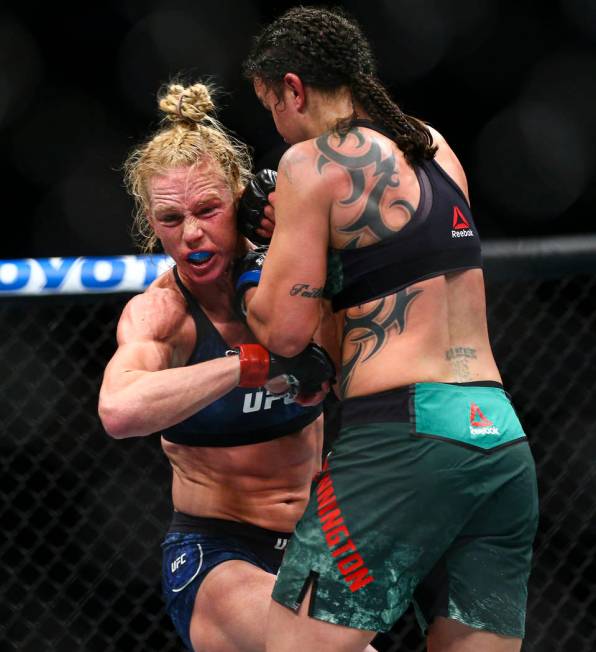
(461,226)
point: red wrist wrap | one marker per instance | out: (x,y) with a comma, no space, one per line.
(254,365)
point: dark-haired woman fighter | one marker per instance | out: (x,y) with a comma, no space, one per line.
(430,494)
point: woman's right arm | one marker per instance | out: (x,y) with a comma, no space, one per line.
(145,388)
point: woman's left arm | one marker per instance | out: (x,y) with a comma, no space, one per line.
(285,310)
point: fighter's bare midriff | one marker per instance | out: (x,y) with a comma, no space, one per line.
(266,484)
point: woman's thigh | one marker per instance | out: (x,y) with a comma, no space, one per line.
(231,608)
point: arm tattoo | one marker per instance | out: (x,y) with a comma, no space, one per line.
(372,328)
(459,357)
(304,290)
(370,221)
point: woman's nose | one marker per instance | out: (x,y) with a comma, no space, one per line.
(193,229)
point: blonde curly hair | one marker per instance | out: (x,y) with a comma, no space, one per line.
(188,135)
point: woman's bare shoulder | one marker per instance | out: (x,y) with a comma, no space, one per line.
(448,160)
(157,314)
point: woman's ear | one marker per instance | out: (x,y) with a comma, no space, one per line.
(295,89)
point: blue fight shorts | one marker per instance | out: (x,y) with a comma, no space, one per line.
(194,545)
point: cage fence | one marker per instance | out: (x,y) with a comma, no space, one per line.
(83,515)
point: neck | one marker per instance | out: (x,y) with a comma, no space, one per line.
(327,109)
(217,301)
(215,298)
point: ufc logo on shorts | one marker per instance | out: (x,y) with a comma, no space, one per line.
(281,544)
(175,565)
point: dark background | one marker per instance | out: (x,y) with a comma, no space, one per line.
(511,85)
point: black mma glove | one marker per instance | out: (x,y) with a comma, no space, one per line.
(252,203)
(246,275)
(305,372)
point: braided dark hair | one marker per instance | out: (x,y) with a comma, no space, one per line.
(327,49)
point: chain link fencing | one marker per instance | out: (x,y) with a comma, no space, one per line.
(83,515)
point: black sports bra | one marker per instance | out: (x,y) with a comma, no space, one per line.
(242,416)
(441,237)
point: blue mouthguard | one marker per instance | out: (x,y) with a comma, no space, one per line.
(199,256)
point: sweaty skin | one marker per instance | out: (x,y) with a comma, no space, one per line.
(354,191)
(336,192)
(147,388)
(266,484)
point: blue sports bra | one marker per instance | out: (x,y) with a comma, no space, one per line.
(243,416)
(441,237)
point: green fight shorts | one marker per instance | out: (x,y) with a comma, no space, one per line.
(429,496)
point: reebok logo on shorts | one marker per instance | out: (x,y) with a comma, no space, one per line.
(461,226)
(351,566)
(479,424)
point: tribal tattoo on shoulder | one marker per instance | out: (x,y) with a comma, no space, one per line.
(370,220)
(374,327)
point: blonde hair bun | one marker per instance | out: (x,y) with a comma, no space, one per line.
(187,103)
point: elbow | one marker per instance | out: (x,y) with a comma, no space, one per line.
(286,344)
(281,334)
(114,420)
